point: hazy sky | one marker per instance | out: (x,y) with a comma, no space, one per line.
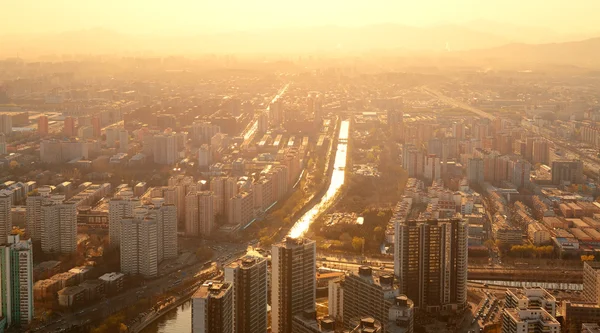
(194,16)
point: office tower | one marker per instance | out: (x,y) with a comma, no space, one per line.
(541,152)
(293,285)
(16,281)
(118,208)
(368,294)
(123,141)
(430,261)
(591,282)
(212,308)
(567,171)
(204,158)
(475,171)
(69,127)
(248,277)
(42,125)
(165,149)
(199,213)
(241,209)
(528,321)
(166,219)
(59,226)
(139,244)
(33,214)
(531,298)
(3,150)
(96,126)
(5,215)
(5,123)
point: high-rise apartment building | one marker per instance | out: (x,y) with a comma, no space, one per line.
(16,281)
(166,219)
(33,214)
(204,156)
(200,214)
(165,149)
(69,127)
(119,207)
(241,208)
(541,152)
(528,321)
(123,140)
(3,149)
(368,294)
(212,308)
(430,261)
(475,171)
(42,125)
(5,123)
(293,287)
(59,225)
(5,215)
(591,282)
(248,277)
(567,171)
(139,244)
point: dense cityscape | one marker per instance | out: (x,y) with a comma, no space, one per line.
(340,192)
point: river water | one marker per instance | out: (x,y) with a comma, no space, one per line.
(337,180)
(180,320)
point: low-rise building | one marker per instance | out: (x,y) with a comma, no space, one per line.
(114,282)
(72,296)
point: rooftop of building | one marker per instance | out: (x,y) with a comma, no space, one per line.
(71,290)
(246,261)
(112,276)
(531,315)
(212,289)
(291,242)
(531,293)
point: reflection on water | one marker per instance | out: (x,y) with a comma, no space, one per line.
(337,180)
(175,321)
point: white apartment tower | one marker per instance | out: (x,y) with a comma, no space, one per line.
(5,215)
(16,281)
(166,218)
(200,214)
(118,208)
(123,140)
(248,277)
(293,283)
(33,214)
(139,244)
(59,226)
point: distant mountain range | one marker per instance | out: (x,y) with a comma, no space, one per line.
(475,40)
